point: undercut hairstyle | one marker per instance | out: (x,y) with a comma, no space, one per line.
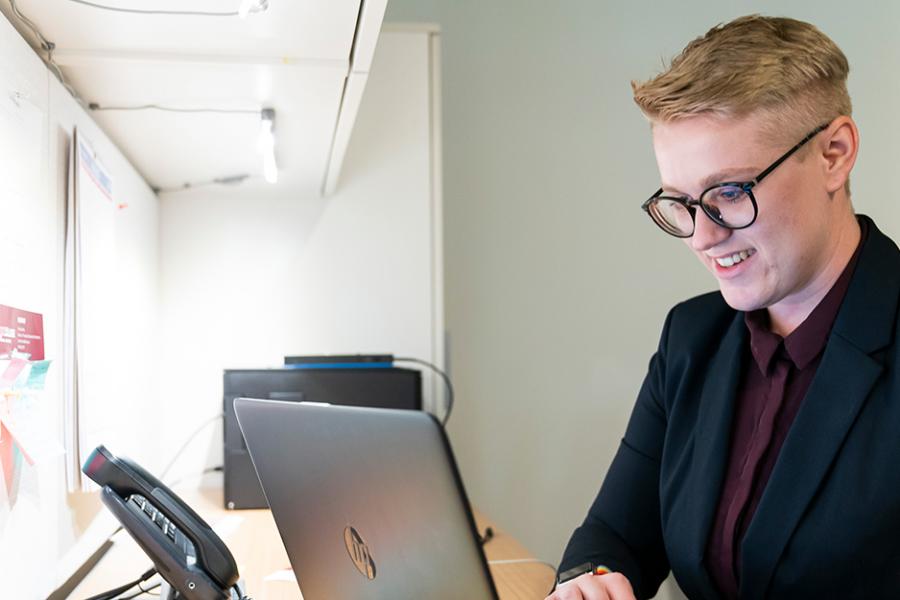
(786,70)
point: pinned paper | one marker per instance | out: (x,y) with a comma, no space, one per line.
(94,169)
(21,333)
(35,444)
(12,371)
(11,458)
(23,432)
(11,450)
(38,375)
(4,500)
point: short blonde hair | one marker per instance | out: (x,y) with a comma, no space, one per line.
(785,69)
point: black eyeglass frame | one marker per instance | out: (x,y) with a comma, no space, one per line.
(746,186)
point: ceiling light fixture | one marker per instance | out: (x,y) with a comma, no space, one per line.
(267,144)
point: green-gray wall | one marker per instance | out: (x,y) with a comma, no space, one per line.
(556,282)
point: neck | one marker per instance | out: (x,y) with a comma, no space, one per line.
(787,315)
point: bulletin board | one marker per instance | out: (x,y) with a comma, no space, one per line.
(30,451)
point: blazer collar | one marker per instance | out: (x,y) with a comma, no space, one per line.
(849,369)
(869,310)
(711,442)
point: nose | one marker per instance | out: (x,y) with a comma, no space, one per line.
(707,233)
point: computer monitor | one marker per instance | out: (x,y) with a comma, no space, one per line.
(373,387)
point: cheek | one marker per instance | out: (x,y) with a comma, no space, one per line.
(791,233)
(789,210)
(785,252)
(782,229)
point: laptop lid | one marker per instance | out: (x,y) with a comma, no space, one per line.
(368,501)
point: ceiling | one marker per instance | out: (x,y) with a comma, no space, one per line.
(217,73)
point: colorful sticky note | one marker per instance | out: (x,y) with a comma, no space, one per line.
(11,373)
(11,460)
(38,375)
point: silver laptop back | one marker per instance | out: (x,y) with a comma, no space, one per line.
(368,501)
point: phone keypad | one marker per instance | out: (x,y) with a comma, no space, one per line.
(167,527)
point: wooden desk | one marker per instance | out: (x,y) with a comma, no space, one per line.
(253,538)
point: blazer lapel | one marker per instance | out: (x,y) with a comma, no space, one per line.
(839,390)
(711,441)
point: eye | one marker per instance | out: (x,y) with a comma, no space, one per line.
(730,193)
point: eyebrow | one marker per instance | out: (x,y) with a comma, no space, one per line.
(739,174)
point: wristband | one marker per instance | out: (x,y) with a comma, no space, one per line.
(580,570)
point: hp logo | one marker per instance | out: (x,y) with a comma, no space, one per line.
(359,552)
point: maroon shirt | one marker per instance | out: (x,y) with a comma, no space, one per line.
(772,389)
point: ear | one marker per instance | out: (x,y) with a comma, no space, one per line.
(839,147)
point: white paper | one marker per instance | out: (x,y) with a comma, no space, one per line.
(97,406)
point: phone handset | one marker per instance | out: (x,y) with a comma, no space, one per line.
(186,551)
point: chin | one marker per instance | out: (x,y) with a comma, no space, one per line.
(741,301)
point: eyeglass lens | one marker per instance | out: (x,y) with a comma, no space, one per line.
(727,205)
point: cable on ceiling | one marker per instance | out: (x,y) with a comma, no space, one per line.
(260,6)
(227,180)
(235,111)
(48,47)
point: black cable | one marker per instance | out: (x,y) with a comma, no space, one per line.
(46,44)
(443,376)
(110,594)
(59,74)
(234,111)
(187,185)
(224,180)
(240,593)
(258,7)
(487,536)
(48,47)
(215,419)
(141,592)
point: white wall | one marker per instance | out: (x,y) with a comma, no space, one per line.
(38,542)
(131,332)
(246,282)
(28,252)
(556,282)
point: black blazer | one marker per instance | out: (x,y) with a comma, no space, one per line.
(828,523)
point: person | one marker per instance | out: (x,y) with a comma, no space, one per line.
(762,457)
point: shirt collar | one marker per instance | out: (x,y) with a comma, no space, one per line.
(806,342)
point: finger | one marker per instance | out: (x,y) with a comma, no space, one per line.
(617,586)
(573,590)
(566,591)
(591,587)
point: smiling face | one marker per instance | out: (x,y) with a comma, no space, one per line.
(789,258)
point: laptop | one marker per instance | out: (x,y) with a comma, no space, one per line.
(368,501)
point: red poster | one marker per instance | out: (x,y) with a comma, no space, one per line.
(21,334)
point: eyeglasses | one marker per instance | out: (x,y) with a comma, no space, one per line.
(730,204)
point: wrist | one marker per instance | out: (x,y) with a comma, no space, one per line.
(580,570)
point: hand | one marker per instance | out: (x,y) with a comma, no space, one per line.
(612,586)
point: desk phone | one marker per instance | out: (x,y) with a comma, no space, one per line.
(185,551)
